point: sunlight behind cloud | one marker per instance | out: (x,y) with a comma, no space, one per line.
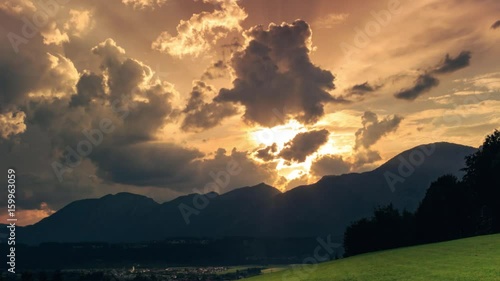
(279,134)
(282,134)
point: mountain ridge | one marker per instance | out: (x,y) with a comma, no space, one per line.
(321,208)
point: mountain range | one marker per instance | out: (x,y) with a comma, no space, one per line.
(323,208)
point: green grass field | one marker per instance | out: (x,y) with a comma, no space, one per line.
(469,259)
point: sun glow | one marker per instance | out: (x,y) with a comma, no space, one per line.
(282,134)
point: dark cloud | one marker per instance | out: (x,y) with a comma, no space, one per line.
(198,34)
(137,107)
(29,67)
(267,153)
(423,84)
(330,165)
(30,155)
(426,81)
(219,69)
(453,64)
(251,171)
(365,157)
(373,129)
(124,97)
(274,72)
(362,89)
(496,25)
(200,115)
(89,86)
(303,145)
(12,124)
(146,164)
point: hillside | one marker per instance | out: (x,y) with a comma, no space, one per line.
(467,259)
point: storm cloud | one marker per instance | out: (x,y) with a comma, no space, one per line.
(200,115)
(303,145)
(219,69)
(274,72)
(362,89)
(373,129)
(423,84)
(268,153)
(453,64)
(330,165)
(426,81)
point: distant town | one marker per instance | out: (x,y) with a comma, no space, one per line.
(138,273)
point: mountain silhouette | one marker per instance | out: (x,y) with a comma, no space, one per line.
(322,208)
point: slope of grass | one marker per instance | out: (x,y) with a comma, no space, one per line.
(468,259)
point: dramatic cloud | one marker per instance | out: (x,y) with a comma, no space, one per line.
(79,23)
(250,173)
(168,165)
(30,69)
(219,69)
(496,25)
(202,31)
(423,84)
(364,157)
(18,81)
(373,129)
(60,80)
(111,121)
(274,73)
(89,87)
(27,12)
(303,145)
(330,165)
(453,64)
(12,123)
(54,22)
(362,89)
(123,97)
(143,164)
(202,115)
(267,153)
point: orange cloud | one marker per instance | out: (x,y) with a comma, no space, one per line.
(203,30)
(29,217)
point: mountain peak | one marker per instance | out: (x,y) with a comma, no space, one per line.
(440,153)
(126,196)
(262,190)
(263,185)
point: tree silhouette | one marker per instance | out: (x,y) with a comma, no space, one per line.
(447,212)
(483,175)
(451,208)
(387,229)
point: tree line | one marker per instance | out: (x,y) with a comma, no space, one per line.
(451,209)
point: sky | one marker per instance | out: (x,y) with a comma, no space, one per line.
(171,97)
